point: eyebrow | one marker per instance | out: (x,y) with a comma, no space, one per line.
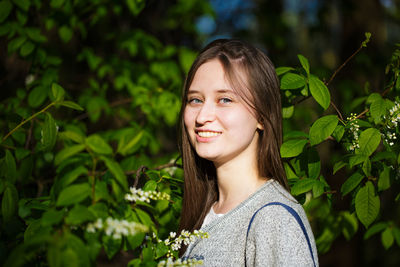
(221,91)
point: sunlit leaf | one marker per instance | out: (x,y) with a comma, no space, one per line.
(369,141)
(73,194)
(319,91)
(367,204)
(292,81)
(322,128)
(292,148)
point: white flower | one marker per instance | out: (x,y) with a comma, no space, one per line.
(116,228)
(145,196)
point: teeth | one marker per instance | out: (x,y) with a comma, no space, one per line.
(208,134)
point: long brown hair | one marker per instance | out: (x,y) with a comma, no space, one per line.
(260,90)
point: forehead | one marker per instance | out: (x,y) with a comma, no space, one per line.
(210,75)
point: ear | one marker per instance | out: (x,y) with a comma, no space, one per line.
(260,127)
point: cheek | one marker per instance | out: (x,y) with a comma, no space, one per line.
(188,117)
(242,122)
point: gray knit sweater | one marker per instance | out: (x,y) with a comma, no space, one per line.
(275,237)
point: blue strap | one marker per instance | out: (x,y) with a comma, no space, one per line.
(295,215)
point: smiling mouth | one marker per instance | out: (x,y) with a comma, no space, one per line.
(208,134)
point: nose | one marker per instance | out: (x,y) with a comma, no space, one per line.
(206,114)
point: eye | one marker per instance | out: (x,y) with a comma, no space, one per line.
(194,101)
(225,100)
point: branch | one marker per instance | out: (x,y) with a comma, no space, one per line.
(28,119)
(138,174)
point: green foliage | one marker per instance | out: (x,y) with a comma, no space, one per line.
(369,155)
(86,140)
(88,128)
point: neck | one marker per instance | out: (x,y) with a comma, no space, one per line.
(238,178)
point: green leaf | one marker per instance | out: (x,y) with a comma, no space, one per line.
(100,210)
(357,159)
(136,240)
(302,186)
(295,135)
(387,238)
(9,203)
(352,182)
(376,228)
(338,166)
(369,141)
(318,188)
(57,92)
(377,108)
(144,217)
(49,133)
(186,58)
(37,96)
(71,176)
(15,44)
(287,112)
(367,167)
(11,167)
(319,91)
(23,4)
(384,179)
(126,148)
(73,194)
(117,171)
(72,105)
(5,9)
(52,217)
(322,129)
(35,35)
(292,81)
(78,215)
(283,70)
(135,6)
(56,3)
(74,136)
(26,49)
(313,163)
(338,132)
(292,148)
(65,33)
(350,224)
(304,63)
(367,204)
(68,152)
(396,234)
(161,249)
(111,245)
(98,145)
(150,185)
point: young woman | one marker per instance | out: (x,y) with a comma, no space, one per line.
(235,184)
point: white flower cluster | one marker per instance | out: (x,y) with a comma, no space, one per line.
(116,228)
(145,196)
(354,129)
(393,121)
(171,263)
(185,237)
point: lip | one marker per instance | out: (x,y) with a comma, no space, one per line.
(206,139)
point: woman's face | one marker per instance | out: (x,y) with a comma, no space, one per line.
(220,125)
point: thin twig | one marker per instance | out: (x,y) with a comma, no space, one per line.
(337,110)
(28,139)
(344,64)
(138,174)
(28,119)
